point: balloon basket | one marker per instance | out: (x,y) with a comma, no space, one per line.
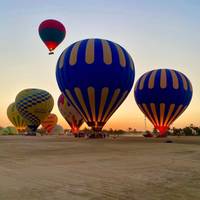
(79,135)
(97,135)
(51,53)
(169,141)
(30,134)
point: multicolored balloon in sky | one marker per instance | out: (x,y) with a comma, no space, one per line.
(49,122)
(96,76)
(15,118)
(34,105)
(162,95)
(52,33)
(71,115)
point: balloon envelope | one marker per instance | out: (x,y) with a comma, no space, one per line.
(15,118)
(50,122)
(162,95)
(71,115)
(8,131)
(96,76)
(52,33)
(57,130)
(34,105)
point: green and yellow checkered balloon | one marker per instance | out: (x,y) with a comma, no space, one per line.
(34,105)
(15,118)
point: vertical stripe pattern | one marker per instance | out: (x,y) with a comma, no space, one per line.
(95,75)
(163,95)
(152,80)
(122,59)
(82,102)
(74,53)
(107,54)
(89,54)
(163,79)
(175,79)
(104,95)
(91,95)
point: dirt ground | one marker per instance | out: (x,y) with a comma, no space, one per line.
(64,168)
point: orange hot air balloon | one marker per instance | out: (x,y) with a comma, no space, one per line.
(50,122)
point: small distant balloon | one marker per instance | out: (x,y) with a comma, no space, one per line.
(34,105)
(15,118)
(163,95)
(50,122)
(71,115)
(57,130)
(9,131)
(95,75)
(52,33)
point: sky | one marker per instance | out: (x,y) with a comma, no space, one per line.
(157,34)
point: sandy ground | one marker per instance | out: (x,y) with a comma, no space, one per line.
(63,168)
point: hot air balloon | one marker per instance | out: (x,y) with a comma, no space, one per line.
(15,118)
(162,95)
(95,75)
(9,131)
(34,105)
(50,122)
(52,33)
(71,115)
(57,130)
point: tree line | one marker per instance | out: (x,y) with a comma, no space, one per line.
(190,130)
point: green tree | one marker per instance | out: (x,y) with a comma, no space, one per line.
(187,131)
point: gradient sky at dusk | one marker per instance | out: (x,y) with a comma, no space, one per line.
(157,34)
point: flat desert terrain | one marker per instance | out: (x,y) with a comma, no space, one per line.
(66,168)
